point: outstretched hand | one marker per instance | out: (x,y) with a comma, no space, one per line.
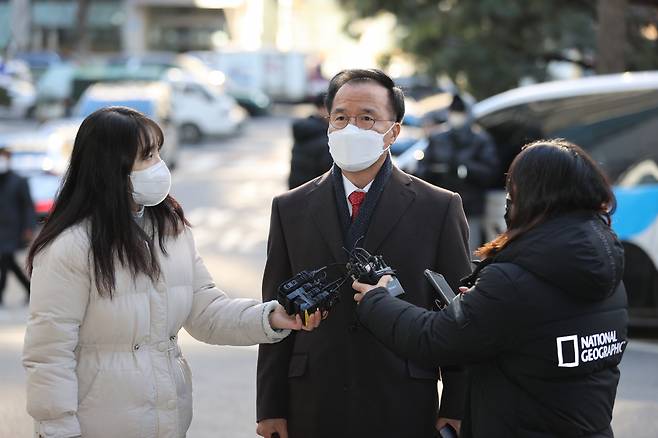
(363,288)
(279,319)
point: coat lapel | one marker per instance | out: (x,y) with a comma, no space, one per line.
(325,214)
(393,203)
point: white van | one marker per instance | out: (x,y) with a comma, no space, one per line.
(203,109)
(615,119)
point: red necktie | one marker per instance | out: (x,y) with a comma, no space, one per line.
(356,199)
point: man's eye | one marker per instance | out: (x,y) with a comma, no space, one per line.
(339,118)
(366,118)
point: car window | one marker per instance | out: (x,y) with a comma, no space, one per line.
(617,129)
(198,91)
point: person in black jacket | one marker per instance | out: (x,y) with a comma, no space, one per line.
(17,221)
(542,327)
(462,157)
(310,150)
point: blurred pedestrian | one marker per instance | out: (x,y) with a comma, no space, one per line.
(541,323)
(17,221)
(463,158)
(310,150)
(115,275)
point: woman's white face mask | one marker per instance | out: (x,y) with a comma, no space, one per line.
(355,149)
(151,185)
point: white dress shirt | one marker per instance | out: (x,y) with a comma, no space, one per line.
(349,188)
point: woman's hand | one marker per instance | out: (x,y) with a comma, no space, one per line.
(279,319)
(363,288)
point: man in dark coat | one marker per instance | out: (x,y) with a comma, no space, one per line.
(310,150)
(463,158)
(338,381)
(17,221)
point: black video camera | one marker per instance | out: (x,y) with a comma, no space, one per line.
(309,291)
(369,269)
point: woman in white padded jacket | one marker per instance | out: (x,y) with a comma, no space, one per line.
(115,275)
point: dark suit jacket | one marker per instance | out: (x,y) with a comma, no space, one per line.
(338,380)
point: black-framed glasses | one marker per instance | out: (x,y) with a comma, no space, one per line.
(362,121)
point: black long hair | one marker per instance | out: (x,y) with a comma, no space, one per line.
(97,188)
(546,179)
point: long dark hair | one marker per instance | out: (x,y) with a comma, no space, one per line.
(546,179)
(97,188)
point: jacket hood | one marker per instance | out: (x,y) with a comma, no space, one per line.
(576,252)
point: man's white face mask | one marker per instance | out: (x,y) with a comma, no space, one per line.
(355,149)
(151,185)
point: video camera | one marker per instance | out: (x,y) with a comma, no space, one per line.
(309,291)
(369,269)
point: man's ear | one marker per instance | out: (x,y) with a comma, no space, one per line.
(393,133)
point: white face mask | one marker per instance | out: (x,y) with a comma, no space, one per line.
(457,120)
(151,185)
(355,149)
(4,165)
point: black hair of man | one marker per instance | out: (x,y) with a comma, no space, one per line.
(395,94)
(5,151)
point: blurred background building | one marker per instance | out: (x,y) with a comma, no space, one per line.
(138,26)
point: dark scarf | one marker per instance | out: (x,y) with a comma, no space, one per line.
(353,232)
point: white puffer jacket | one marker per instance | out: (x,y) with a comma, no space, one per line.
(101,367)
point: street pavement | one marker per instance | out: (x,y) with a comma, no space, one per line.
(226,186)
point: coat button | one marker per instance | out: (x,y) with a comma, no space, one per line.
(172,337)
(162,346)
(136,347)
(171,404)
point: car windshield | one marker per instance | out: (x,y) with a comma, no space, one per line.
(88,106)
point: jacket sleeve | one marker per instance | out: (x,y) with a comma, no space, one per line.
(453,262)
(476,326)
(59,296)
(217,319)
(273,360)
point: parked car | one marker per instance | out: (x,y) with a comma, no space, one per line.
(252,100)
(201,109)
(17,98)
(242,79)
(614,118)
